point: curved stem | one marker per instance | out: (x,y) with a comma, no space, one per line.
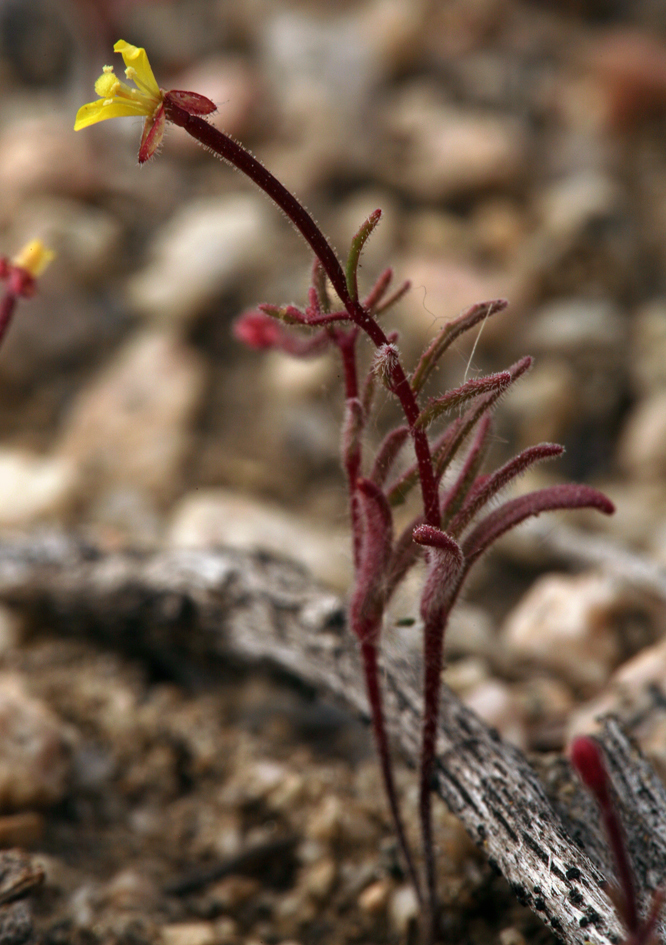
(229,150)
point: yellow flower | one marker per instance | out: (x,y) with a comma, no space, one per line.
(117,99)
(34,258)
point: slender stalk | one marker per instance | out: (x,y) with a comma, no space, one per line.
(229,150)
(7,306)
(371,671)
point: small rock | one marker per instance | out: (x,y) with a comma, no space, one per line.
(21,830)
(325,821)
(226,930)
(545,402)
(34,759)
(320,877)
(132,425)
(129,889)
(511,936)
(630,690)
(436,152)
(642,446)
(569,624)
(41,155)
(85,238)
(403,909)
(201,252)
(189,933)
(231,83)
(496,704)
(578,326)
(34,488)
(443,288)
(628,69)
(571,206)
(217,517)
(648,350)
(374,897)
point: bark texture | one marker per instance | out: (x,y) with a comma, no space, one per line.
(184,608)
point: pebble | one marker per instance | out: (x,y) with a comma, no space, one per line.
(325,821)
(217,517)
(22,830)
(189,933)
(86,239)
(35,488)
(647,362)
(230,82)
(630,690)
(571,206)
(403,909)
(132,424)
(544,403)
(436,151)
(444,287)
(578,326)
(642,444)
(34,755)
(319,878)
(41,155)
(566,623)
(374,897)
(205,249)
(495,702)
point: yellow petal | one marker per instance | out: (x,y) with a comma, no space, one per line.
(135,57)
(93,112)
(34,258)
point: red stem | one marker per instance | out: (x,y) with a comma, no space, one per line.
(371,671)
(346,342)
(7,306)
(229,150)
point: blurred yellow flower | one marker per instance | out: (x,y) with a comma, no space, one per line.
(34,258)
(117,99)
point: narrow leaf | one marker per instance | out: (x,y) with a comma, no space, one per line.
(489,486)
(512,513)
(288,314)
(476,387)
(456,495)
(320,285)
(352,429)
(376,293)
(357,245)
(457,433)
(388,453)
(445,566)
(366,606)
(449,333)
(451,440)
(393,298)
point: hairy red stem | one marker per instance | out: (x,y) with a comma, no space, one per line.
(229,150)
(371,671)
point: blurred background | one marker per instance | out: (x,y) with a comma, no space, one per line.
(518,150)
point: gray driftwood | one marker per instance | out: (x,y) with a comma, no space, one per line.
(188,606)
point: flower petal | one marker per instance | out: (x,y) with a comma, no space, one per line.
(93,112)
(135,57)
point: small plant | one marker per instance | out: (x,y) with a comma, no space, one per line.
(454,527)
(588,760)
(20,275)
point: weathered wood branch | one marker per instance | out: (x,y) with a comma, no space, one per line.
(180,607)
